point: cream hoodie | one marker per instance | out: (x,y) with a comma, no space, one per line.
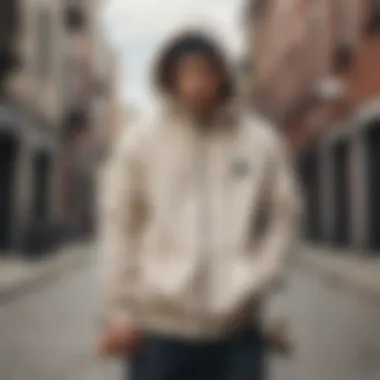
(196,223)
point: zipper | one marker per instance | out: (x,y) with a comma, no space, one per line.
(204,223)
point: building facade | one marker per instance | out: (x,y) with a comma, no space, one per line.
(8,63)
(107,106)
(316,75)
(77,122)
(47,135)
(32,102)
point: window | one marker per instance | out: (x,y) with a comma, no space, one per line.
(8,19)
(374,16)
(75,18)
(44,43)
(347,34)
(8,27)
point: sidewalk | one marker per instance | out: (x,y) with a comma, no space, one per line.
(357,272)
(18,275)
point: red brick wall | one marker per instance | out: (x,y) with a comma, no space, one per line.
(288,70)
(364,78)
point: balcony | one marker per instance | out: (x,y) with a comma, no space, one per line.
(75,17)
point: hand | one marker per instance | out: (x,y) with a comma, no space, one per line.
(119,339)
(278,337)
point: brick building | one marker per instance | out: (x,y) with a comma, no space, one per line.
(317,76)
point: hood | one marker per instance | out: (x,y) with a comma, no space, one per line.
(197,42)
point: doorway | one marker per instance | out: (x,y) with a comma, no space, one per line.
(341,167)
(8,153)
(310,177)
(41,191)
(373,165)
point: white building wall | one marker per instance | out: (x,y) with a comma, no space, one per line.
(41,91)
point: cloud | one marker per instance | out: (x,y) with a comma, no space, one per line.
(138,27)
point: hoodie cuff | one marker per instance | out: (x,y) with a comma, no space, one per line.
(119,316)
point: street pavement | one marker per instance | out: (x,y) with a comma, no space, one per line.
(49,334)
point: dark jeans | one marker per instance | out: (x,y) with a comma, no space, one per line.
(241,357)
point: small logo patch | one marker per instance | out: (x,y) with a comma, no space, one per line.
(240,169)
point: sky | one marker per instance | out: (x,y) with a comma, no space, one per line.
(137,28)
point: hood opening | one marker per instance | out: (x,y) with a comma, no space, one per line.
(191,42)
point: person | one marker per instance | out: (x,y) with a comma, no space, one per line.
(200,213)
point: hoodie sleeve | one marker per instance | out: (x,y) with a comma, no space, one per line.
(282,231)
(121,215)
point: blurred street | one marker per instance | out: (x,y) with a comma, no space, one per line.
(75,75)
(49,334)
